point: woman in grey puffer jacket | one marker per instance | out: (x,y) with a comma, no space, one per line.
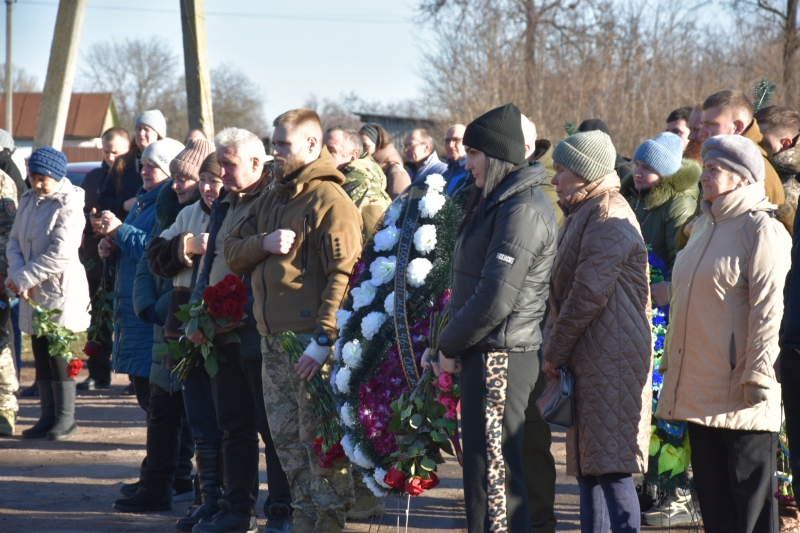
(43,265)
(501,271)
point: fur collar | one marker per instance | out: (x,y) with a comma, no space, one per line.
(683,181)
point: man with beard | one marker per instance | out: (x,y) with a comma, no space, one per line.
(299,242)
(241,414)
(781,127)
(695,122)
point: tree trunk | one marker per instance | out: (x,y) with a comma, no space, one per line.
(531,26)
(791,43)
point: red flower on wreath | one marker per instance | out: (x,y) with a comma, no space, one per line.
(395,478)
(413,486)
(74,367)
(428,484)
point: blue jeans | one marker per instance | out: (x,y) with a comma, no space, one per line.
(609,502)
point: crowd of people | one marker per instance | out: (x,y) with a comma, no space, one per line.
(550,270)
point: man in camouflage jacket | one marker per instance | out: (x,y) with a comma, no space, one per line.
(8,374)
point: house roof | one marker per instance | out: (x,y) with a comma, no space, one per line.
(87,117)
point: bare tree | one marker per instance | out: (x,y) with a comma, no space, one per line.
(237,101)
(24,82)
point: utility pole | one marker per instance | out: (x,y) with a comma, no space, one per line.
(60,75)
(195,59)
(9,70)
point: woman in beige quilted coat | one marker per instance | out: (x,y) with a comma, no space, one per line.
(599,327)
(722,343)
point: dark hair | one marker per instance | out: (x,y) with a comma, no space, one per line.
(383,135)
(112,133)
(729,99)
(496,171)
(779,120)
(682,113)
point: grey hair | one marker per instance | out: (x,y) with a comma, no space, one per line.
(351,137)
(427,138)
(246,144)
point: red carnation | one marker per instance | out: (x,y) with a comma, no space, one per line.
(209,294)
(74,367)
(395,478)
(231,307)
(93,349)
(217,311)
(428,484)
(414,486)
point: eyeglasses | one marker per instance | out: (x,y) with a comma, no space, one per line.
(457,140)
(412,146)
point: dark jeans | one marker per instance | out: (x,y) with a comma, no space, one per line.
(199,400)
(539,465)
(734,478)
(242,416)
(790,389)
(48,368)
(609,501)
(17,333)
(493,431)
(99,366)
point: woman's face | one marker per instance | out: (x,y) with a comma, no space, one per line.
(567,183)
(151,175)
(145,136)
(210,187)
(718,181)
(43,185)
(184,187)
(644,177)
(369,146)
(476,163)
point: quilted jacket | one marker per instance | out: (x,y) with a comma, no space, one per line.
(599,326)
(501,270)
(725,315)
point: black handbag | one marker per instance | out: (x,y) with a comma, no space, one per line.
(557,403)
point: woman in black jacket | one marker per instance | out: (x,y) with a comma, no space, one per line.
(501,272)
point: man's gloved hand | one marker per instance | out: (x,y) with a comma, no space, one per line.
(754,395)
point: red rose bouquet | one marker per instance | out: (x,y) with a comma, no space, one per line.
(217,314)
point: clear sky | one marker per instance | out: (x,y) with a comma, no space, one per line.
(289,49)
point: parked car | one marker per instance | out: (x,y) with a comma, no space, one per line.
(77,171)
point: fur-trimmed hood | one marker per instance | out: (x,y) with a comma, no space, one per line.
(684,181)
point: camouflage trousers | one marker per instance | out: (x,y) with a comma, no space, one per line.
(8,381)
(294,427)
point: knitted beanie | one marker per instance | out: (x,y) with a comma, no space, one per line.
(590,155)
(6,140)
(371,132)
(498,134)
(738,153)
(49,162)
(594,124)
(187,163)
(210,164)
(153,119)
(161,153)
(663,153)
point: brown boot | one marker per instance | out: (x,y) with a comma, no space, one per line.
(7,419)
(302,522)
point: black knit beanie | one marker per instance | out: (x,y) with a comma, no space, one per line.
(594,124)
(498,134)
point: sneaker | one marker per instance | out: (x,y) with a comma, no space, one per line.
(678,510)
(128,390)
(366,507)
(226,521)
(279,519)
(142,502)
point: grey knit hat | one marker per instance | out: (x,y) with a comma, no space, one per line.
(6,140)
(190,159)
(162,152)
(738,153)
(663,153)
(153,119)
(590,155)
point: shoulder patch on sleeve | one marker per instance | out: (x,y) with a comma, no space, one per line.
(337,245)
(505,258)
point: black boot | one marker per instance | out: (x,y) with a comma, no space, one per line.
(226,521)
(64,397)
(33,390)
(48,417)
(209,471)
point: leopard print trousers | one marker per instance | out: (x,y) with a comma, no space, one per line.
(496,383)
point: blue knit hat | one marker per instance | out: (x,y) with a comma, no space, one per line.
(663,153)
(49,162)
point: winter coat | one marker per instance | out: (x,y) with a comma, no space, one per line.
(43,256)
(397,178)
(772,183)
(790,325)
(599,326)
(787,165)
(8,212)
(455,173)
(151,294)
(92,185)
(133,339)
(544,155)
(501,270)
(662,210)
(166,254)
(725,314)
(432,165)
(299,291)
(10,167)
(123,183)
(365,184)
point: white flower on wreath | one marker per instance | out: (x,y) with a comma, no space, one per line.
(343,379)
(425,238)
(337,350)
(363,295)
(371,323)
(342,316)
(376,490)
(351,353)
(431,204)
(382,269)
(392,214)
(418,270)
(388,304)
(346,415)
(334,373)
(380,475)
(386,238)
(361,459)
(436,182)
(347,446)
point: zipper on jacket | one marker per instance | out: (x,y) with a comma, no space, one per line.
(304,250)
